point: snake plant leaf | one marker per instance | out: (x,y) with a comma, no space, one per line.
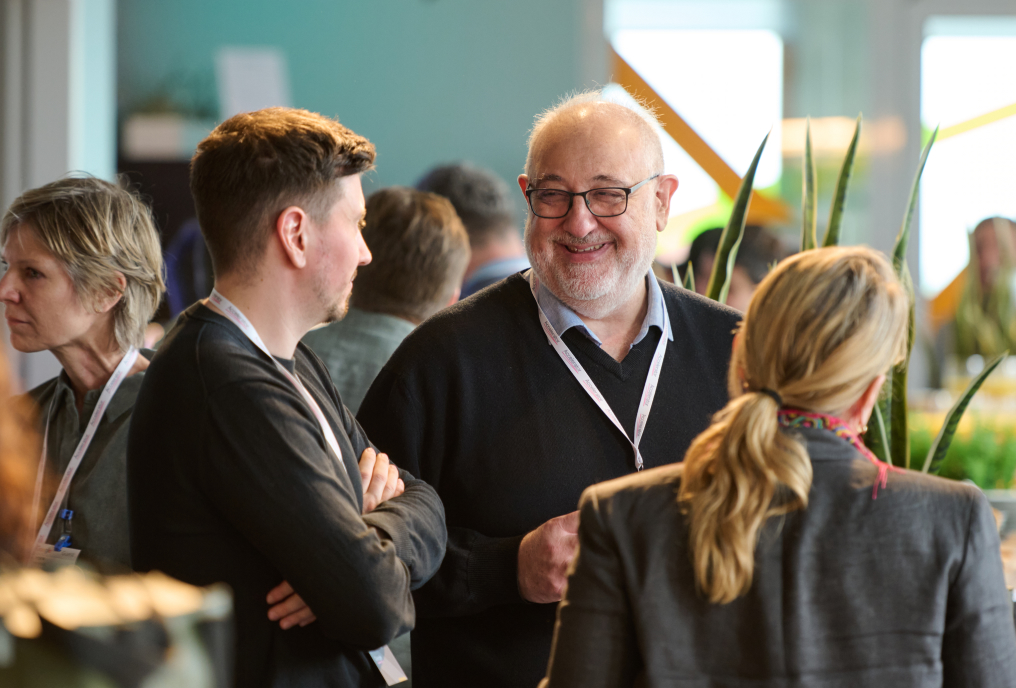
(809,192)
(689,278)
(903,238)
(674,274)
(876,439)
(943,439)
(730,239)
(899,436)
(832,236)
(731,260)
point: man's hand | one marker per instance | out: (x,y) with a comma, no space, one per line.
(288,608)
(544,556)
(380,478)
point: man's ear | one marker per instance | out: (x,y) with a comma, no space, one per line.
(292,228)
(665,189)
(523,183)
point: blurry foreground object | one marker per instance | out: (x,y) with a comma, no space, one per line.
(73,629)
(484,205)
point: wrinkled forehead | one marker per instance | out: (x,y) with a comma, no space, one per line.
(588,147)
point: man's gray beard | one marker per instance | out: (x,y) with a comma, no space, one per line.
(591,298)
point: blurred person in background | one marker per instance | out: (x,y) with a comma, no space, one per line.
(83,276)
(781,551)
(985,321)
(760,249)
(482,201)
(419,254)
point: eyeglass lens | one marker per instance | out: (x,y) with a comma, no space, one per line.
(554,203)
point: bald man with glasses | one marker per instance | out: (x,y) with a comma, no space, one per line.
(580,370)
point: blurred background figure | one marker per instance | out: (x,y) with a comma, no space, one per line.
(986,314)
(484,205)
(83,279)
(760,250)
(420,251)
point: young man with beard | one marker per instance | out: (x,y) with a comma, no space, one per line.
(512,402)
(243,465)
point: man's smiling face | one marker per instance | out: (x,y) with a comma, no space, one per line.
(592,263)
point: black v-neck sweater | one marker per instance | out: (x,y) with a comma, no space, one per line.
(478,404)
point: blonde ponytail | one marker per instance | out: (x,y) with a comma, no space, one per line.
(829,322)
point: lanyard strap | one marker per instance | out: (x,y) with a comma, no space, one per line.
(240,320)
(648,392)
(113,384)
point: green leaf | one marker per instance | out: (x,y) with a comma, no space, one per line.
(809,209)
(674,274)
(689,278)
(726,252)
(832,237)
(943,439)
(903,238)
(899,437)
(731,260)
(875,439)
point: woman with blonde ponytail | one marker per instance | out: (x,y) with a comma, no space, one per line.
(781,552)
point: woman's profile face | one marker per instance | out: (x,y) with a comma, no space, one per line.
(42,308)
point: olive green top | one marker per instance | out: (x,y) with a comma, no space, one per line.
(98,492)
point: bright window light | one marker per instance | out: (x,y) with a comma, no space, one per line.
(695,71)
(972,175)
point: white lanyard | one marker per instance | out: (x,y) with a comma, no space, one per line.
(108,391)
(241,321)
(383,657)
(648,392)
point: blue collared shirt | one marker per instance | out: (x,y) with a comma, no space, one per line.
(563,318)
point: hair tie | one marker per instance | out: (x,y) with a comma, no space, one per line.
(772,395)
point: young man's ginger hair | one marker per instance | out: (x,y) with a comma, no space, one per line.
(255,165)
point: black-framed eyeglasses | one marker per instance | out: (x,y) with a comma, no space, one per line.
(552,204)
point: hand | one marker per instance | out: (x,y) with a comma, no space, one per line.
(544,556)
(380,478)
(288,608)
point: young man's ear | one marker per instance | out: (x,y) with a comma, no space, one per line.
(291,228)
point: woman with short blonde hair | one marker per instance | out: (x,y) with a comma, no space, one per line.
(83,278)
(781,551)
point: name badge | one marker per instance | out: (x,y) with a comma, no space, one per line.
(388,666)
(47,557)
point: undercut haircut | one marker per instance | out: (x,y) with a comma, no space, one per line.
(481,199)
(420,251)
(255,165)
(97,230)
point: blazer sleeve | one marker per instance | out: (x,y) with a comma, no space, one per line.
(594,638)
(979,643)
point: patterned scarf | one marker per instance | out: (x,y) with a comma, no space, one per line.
(794,418)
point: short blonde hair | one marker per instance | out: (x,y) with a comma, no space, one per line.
(97,230)
(821,327)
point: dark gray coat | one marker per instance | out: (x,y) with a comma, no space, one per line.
(899,591)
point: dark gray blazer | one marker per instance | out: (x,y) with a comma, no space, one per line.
(899,591)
